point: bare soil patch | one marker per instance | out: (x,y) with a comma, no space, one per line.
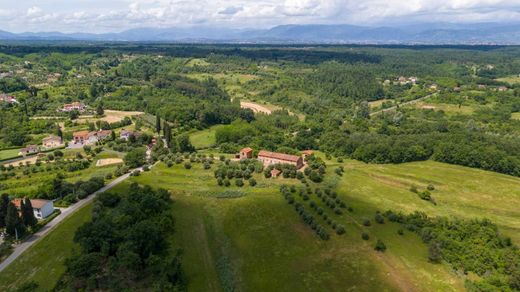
(108,161)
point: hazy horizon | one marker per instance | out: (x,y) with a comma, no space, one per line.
(96,16)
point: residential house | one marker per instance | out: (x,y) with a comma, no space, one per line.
(502,88)
(7,98)
(246,153)
(41,208)
(80,137)
(482,86)
(270,158)
(125,134)
(30,149)
(79,106)
(52,141)
(434,86)
(413,79)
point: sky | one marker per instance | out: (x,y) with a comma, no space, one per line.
(97,16)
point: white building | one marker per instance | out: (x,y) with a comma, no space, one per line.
(41,208)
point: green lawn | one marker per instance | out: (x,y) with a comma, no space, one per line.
(513,79)
(205,138)
(43,263)
(7,154)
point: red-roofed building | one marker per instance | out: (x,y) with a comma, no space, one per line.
(270,158)
(246,153)
(7,98)
(41,208)
(74,106)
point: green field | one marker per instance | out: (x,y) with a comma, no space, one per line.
(43,263)
(513,79)
(257,241)
(8,154)
(205,138)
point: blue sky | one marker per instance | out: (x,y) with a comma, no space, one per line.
(118,15)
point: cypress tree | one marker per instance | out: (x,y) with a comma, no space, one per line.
(158,124)
(13,224)
(4,202)
(28,214)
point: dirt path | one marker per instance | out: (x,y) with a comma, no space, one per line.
(200,233)
(257,108)
(393,108)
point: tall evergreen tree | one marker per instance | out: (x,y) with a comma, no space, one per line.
(4,202)
(13,224)
(28,214)
(99,110)
(59,133)
(158,124)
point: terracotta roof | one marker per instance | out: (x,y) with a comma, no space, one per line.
(247,150)
(275,172)
(36,203)
(104,132)
(279,156)
(81,134)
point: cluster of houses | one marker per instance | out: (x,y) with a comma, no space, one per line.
(7,98)
(90,137)
(41,208)
(49,142)
(272,158)
(78,106)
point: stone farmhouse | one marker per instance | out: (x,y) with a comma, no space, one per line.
(246,153)
(270,158)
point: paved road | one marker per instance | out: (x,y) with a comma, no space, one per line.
(22,247)
(402,104)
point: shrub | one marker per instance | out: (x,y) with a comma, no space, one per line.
(413,189)
(252,182)
(430,187)
(146,168)
(108,176)
(380,246)
(366,222)
(400,231)
(187,165)
(338,211)
(227,183)
(239,182)
(340,159)
(340,229)
(207,165)
(365,236)
(379,218)
(220,181)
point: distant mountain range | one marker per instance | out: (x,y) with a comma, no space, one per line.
(440,33)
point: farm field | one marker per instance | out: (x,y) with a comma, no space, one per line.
(447,108)
(44,262)
(513,79)
(111,116)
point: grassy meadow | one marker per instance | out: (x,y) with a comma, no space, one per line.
(43,263)
(9,153)
(249,238)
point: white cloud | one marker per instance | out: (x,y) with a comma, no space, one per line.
(116,15)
